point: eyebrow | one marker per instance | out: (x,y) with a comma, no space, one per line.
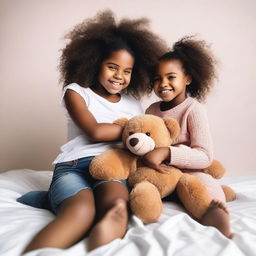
(170,73)
(117,65)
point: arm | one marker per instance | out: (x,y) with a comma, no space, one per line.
(156,159)
(85,120)
(198,154)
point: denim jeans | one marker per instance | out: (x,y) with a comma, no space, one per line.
(68,179)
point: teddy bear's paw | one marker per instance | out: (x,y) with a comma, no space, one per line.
(164,182)
(229,193)
(216,169)
(145,202)
(194,195)
(121,121)
(112,164)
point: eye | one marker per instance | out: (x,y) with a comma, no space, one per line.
(131,133)
(127,72)
(112,67)
(171,77)
(148,134)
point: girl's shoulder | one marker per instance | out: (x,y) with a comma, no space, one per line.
(130,103)
(196,110)
(82,91)
(153,108)
(128,98)
(188,106)
(75,87)
(195,104)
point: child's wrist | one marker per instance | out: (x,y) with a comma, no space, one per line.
(167,153)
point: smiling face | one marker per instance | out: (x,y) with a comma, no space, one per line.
(115,73)
(170,81)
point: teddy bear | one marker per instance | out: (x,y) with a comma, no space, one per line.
(141,134)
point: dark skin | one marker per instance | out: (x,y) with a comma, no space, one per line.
(156,159)
(86,122)
(103,212)
(170,82)
(114,76)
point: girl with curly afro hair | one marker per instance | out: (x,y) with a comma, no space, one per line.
(182,78)
(94,40)
(105,68)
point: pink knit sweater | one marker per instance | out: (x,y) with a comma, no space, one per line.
(192,149)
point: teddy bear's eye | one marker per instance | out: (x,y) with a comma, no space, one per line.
(131,133)
(148,133)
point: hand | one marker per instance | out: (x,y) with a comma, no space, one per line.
(155,159)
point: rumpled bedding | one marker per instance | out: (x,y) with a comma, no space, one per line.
(175,234)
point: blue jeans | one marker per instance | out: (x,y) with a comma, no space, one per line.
(68,179)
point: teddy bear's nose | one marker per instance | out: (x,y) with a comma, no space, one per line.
(133,141)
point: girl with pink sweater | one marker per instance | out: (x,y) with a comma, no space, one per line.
(182,79)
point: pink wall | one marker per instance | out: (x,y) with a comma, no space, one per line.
(32,121)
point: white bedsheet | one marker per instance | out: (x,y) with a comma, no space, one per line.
(175,233)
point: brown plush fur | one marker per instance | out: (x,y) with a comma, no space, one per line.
(144,195)
(148,185)
(121,160)
(229,193)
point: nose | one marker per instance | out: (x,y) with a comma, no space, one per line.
(118,75)
(164,84)
(133,141)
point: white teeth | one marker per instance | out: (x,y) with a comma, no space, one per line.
(117,84)
(165,91)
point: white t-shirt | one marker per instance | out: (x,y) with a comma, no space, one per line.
(79,145)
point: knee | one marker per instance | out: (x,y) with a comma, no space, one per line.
(78,209)
(82,211)
(109,204)
(104,206)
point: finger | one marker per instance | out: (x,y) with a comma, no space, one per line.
(166,168)
(165,165)
(162,170)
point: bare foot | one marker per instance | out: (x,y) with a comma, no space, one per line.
(113,225)
(217,216)
(220,204)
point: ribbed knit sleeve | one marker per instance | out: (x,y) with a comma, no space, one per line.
(198,153)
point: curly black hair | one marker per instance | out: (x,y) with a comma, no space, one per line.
(95,39)
(198,62)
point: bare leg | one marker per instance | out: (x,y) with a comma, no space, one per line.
(217,216)
(75,217)
(111,199)
(113,225)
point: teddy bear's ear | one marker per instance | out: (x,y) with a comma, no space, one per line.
(173,127)
(121,121)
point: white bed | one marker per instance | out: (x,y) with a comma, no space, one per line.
(174,234)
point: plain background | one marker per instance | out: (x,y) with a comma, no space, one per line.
(33,126)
